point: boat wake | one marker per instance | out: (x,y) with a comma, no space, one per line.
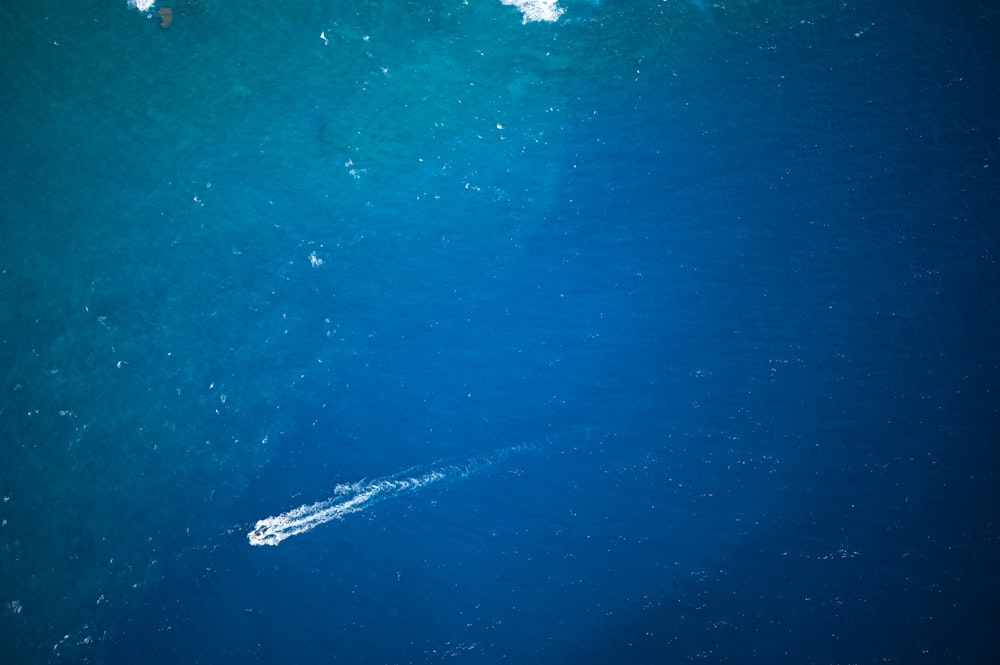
(356,497)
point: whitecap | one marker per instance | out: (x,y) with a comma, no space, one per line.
(536,10)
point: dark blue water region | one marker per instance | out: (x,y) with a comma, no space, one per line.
(729,272)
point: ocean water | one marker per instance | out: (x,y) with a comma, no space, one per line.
(588,332)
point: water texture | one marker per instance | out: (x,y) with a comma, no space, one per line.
(723,275)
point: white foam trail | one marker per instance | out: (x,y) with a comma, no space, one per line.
(142,5)
(355,498)
(536,10)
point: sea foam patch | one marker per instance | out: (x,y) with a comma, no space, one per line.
(142,5)
(536,10)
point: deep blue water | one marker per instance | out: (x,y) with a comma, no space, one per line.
(725,275)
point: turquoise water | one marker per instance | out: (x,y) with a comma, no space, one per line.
(723,275)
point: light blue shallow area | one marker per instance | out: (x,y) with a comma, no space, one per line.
(724,275)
